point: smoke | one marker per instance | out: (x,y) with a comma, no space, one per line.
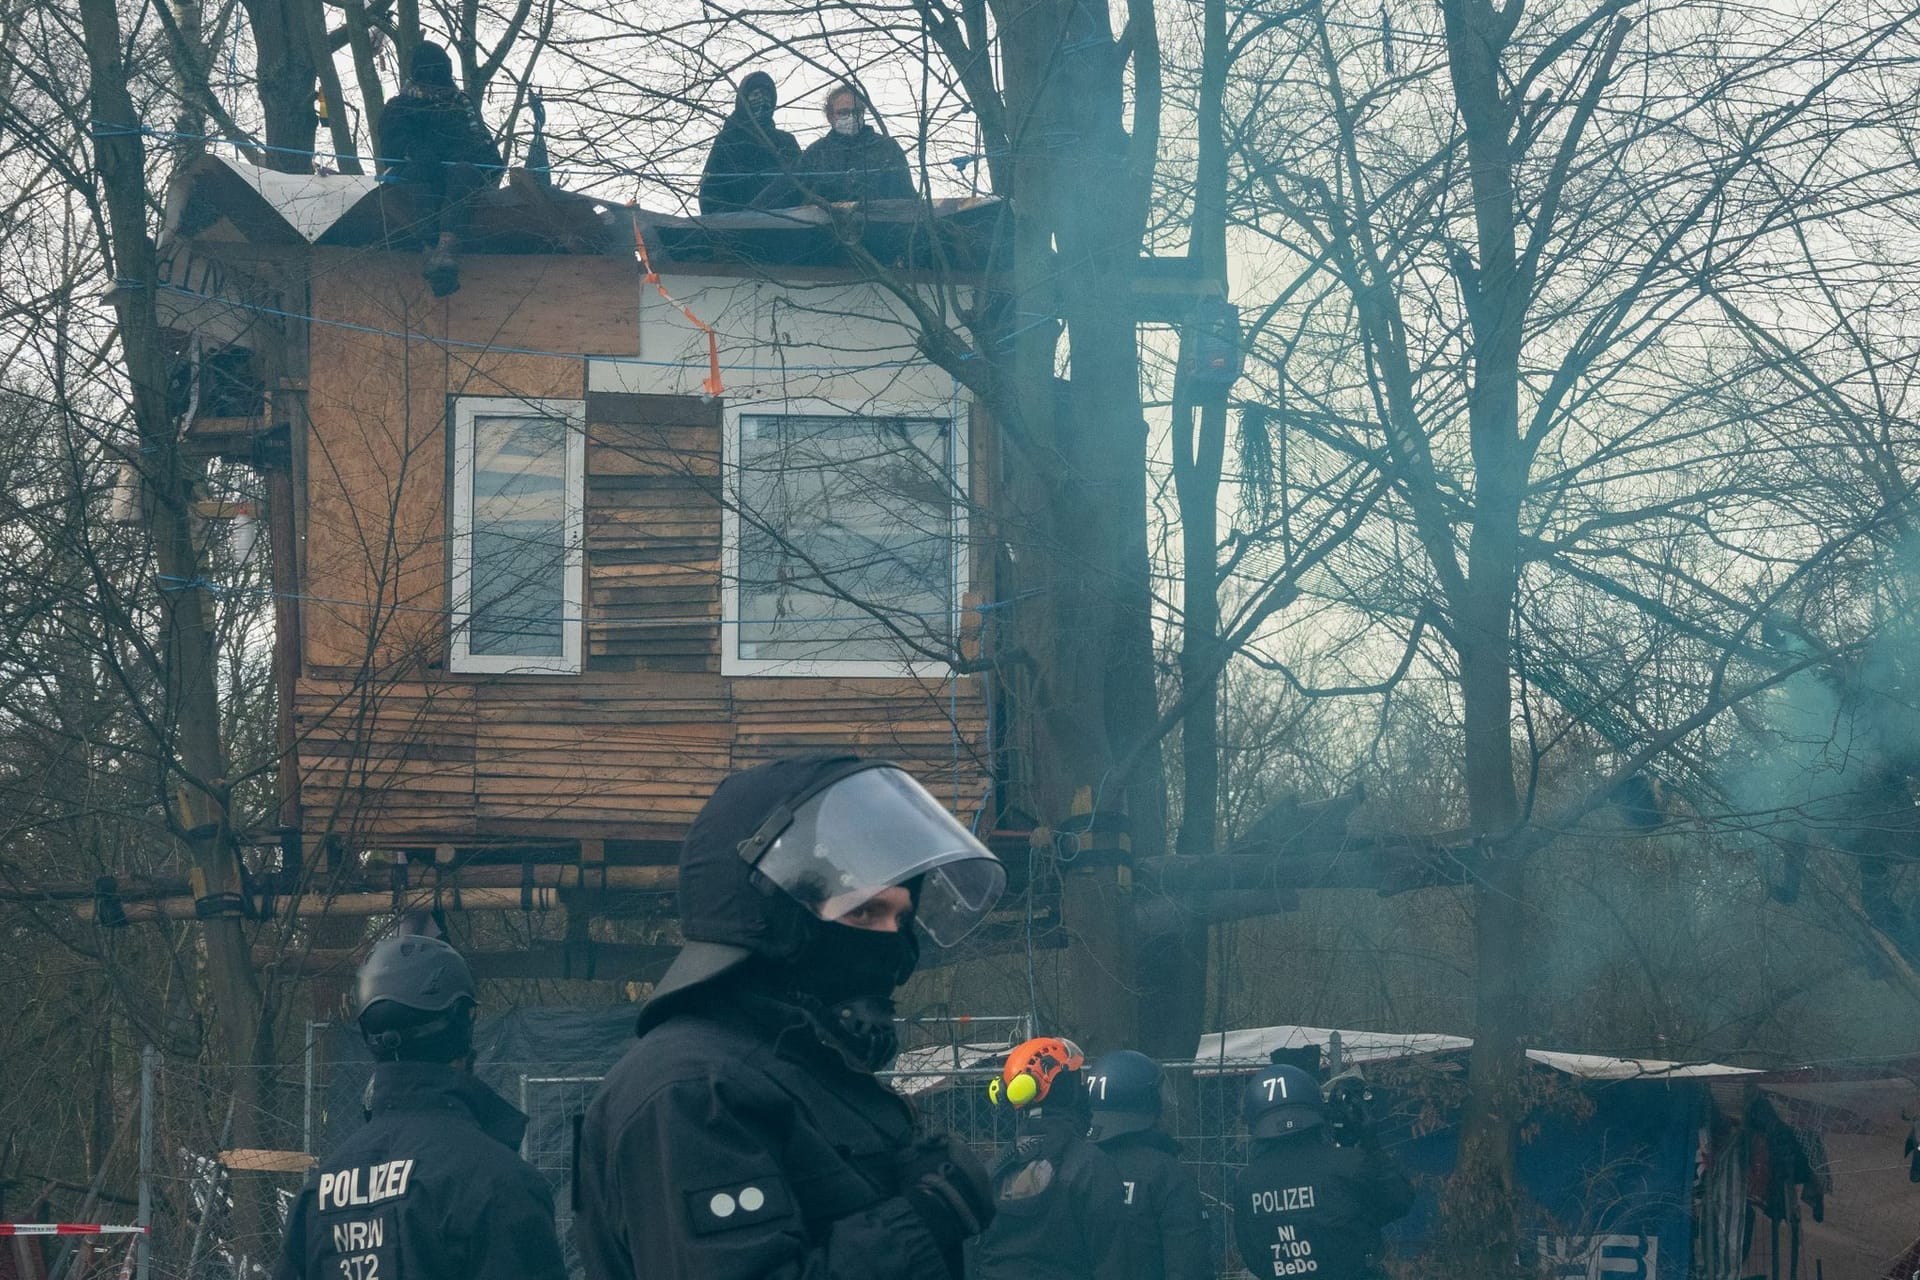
(1826,767)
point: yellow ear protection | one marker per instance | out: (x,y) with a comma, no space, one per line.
(1031,1069)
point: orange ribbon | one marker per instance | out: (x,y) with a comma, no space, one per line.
(712,384)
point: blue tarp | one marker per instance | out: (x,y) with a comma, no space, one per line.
(1614,1185)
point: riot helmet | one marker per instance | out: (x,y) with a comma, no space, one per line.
(782,850)
(1282,1100)
(1123,1089)
(416,998)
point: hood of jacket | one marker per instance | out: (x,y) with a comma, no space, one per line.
(755,80)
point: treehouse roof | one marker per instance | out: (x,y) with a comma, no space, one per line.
(216,199)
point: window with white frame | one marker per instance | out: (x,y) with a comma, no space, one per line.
(519,470)
(846,543)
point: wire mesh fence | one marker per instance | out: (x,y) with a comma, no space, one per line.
(221,1158)
(227,1148)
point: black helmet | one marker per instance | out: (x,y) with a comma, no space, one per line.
(1281,1100)
(416,999)
(1123,1088)
(790,843)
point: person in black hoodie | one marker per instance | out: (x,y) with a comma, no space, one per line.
(749,152)
(744,1136)
(1164,1213)
(852,163)
(433,139)
(432,1187)
(1058,1207)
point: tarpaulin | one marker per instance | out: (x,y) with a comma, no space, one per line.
(1611,1186)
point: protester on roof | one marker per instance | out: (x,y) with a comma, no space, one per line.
(749,152)
(853,163)
(433,139)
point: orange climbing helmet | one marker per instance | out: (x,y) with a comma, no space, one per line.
(1032,1068)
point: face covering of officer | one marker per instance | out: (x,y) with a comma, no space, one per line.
(846,973)
(815,912)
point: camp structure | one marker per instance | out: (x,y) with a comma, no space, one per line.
(647,500)
(1639,1166)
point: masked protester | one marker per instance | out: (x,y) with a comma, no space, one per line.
(1059,1208)
(744,1136)
(1303,1206)
(749,152)
(1164,1215)
(433,140)
(432,1187)
(853,162)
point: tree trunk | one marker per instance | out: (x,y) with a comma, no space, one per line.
(346,155)
(193,755)
(1082,550)
(1485,1208)
(287,76)
(372,93)
(1178,987)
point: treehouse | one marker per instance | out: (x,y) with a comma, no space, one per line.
(649,499)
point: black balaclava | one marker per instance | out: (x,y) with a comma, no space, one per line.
(843,980)
(430,67)
(759,85)
(839,978)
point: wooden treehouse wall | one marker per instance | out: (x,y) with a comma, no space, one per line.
(397,751)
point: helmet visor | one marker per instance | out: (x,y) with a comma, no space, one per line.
(875,829)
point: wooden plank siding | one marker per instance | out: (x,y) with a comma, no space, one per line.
(396,751)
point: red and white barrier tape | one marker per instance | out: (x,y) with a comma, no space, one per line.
(67,1229)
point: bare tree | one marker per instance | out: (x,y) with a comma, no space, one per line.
(1511,236)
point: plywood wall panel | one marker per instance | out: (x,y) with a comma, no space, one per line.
(631,747)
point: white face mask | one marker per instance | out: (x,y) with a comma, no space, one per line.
(847,125)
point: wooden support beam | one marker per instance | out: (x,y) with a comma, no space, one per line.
(645,962)
(472,889)
(313,906)
(598,961)
(1385,866)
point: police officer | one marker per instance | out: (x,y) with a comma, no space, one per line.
(1058,1198)
(1303,1206)
(431,1188)
(744,1135)
(1165,1218)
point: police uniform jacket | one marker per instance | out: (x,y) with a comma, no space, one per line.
(430,1188)
(729,1144)
(1058,1210)
(1304,1207)
(1165,1219)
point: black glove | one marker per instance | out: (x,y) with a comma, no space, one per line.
(948,1187)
